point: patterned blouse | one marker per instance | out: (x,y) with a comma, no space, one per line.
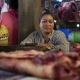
(57,38)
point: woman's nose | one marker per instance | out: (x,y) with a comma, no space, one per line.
(47,23)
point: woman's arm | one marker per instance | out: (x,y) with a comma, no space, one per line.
(57,42)
(29,39)
(61,41)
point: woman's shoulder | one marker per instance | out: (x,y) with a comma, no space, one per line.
(58,32)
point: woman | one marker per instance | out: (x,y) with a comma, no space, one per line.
(10,21)
(47,36)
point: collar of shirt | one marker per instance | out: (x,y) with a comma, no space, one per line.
(50,36)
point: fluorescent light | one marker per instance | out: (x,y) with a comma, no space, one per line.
(59,0)
(77,25)
(55,21)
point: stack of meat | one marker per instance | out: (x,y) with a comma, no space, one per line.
(67,64)
(68,11)
(49,64)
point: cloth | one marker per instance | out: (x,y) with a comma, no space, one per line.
(10,20)
(4,75)
(57,38)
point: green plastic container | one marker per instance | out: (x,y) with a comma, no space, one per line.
(76,36)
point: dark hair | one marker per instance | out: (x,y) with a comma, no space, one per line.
(12,3)
(45,13)
(55,26)
(45,10)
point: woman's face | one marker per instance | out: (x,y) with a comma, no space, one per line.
(47,23)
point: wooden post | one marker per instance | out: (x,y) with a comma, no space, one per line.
(29,11)
(37,11)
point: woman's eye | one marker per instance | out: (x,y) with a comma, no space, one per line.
(50,21)
(47,21)
(44,21)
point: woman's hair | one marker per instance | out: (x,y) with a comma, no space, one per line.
(45,10)
(55,26)
(45,13)
(12,3)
